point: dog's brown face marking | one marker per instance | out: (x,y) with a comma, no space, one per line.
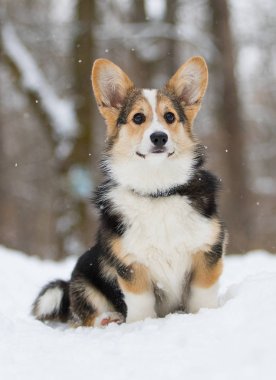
(158,111)
(172,101)
(133,96)
(118,100)
(150,126)
(131,130)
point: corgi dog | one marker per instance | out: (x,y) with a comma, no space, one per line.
(160,243)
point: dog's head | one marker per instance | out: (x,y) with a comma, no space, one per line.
(150,142)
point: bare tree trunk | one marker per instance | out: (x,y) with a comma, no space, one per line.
(82,56)
(171,45)
(83,51)
(68,205)
(43,120)
(235,190)
(162,65)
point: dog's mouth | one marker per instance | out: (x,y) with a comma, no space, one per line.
(141,155)
(156,151)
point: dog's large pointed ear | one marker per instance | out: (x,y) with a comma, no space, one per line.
(111,86)
(189,84)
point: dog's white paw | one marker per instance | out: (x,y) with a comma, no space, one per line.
(108,317)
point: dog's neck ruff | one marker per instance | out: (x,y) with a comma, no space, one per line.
(163,193)
(149,182)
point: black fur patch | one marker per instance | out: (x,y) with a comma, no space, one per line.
(216,251)
(199,157)
(81,308)
(201,191)
(123,270)
(176,103)
(90,268)
(131,98)
(110,219)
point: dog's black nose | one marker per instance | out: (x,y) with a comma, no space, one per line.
(159,139)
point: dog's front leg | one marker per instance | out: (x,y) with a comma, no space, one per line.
(138,292)
(204,282)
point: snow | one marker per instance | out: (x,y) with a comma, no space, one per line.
(155,10)
(235,341)
(61,111)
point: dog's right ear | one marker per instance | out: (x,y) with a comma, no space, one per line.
(111,86)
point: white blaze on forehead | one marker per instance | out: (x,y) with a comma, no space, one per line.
(151,96)
(155,126)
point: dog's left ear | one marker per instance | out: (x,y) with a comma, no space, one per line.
(189,84)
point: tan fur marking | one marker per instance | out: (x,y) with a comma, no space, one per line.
(108,272)
(134,130)
(191,112)
(205,276)
(140,281)
(90,321)
(117,249)
(181,136)
(131,134)
(110,116)
(116,246)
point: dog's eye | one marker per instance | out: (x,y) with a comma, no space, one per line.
(169,117)
(139,118)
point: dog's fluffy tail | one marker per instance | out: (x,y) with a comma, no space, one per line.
(53,303)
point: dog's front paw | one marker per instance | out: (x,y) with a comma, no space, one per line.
(105,319)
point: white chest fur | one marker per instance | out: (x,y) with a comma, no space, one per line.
(163,234)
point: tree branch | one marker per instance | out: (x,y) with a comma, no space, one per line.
(59,113)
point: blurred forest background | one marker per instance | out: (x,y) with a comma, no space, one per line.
(51,135)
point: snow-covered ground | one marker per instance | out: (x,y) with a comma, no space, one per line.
(235,341)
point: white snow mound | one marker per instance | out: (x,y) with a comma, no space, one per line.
(235,341)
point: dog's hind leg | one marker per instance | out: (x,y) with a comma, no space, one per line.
(106,318)
(90,307)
